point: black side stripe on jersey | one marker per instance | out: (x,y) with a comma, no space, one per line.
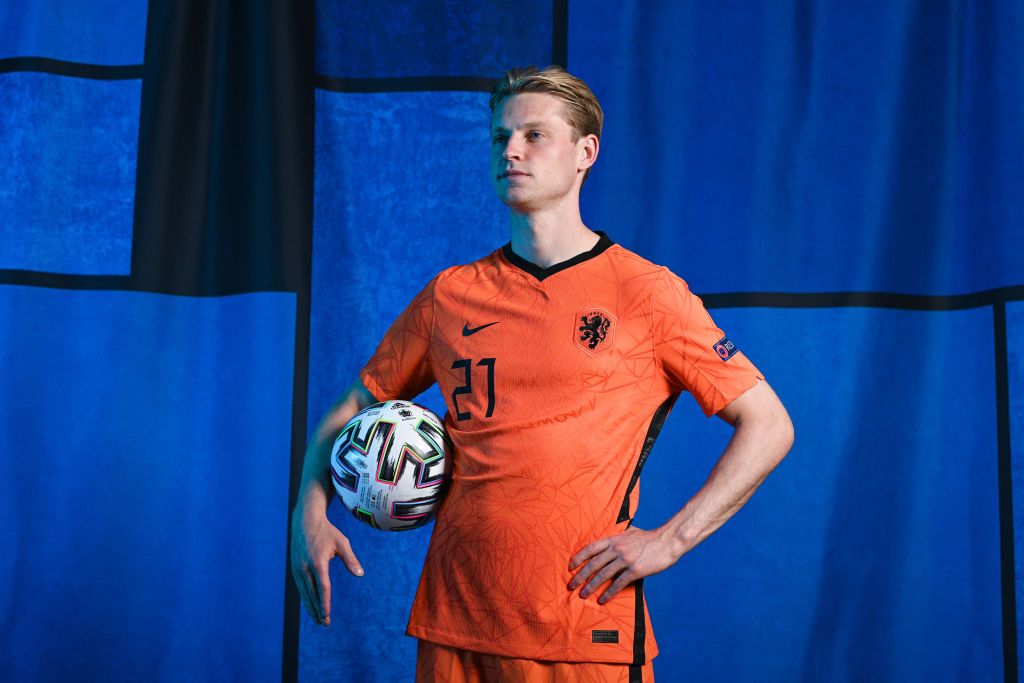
(652,434)
(639,631)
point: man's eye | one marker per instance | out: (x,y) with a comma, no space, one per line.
(535,132)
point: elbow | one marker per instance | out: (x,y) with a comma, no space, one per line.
(785,433)
(773,433)
(790,435)
(776,433)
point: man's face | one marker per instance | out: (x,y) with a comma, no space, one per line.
(529,136)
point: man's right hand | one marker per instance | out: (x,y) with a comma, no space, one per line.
(314,539)
(314,542)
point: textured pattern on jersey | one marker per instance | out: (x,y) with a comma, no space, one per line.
(548,427)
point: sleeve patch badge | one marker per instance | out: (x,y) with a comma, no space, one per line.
(725,349)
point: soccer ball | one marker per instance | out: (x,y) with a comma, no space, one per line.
(389,465)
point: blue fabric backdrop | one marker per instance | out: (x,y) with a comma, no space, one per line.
(144,433)
(841,182)
(785,148)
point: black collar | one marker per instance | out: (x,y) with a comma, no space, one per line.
(541,273)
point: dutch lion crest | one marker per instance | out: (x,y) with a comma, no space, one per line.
(594,328)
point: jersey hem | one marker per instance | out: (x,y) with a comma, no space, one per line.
(755,377)
(373,386)
(487,647)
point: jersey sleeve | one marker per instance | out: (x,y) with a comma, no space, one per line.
(400,367)
(692,352)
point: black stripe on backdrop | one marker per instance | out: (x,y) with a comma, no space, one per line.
(300,403)
(34,278)
(224,181)
(560,32)
(1006,542)
(76,69)
(907,302)
(410,84)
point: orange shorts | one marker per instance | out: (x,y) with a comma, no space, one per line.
(442,664)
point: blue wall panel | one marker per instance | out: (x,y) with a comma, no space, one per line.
(802,148)
(430,37)
(67,173)
(144,465)
(109,32)
(394,204)
(1015,360)
(872,551)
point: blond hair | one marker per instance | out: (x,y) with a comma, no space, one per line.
(582,110)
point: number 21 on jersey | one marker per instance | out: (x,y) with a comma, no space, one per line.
(467,365)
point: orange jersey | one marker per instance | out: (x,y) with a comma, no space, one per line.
(556,381)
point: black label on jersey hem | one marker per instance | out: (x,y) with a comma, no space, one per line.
(604,636)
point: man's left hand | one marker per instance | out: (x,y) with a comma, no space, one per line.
(631,555)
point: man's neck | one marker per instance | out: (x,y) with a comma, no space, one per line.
(546,238)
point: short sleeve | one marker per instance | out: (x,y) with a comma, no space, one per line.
(693,353)
(400,367)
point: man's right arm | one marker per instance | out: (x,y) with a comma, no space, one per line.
(314,539)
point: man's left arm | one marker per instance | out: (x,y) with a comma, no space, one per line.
(763,436)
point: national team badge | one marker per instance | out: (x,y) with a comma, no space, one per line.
(725,349)
(593,330)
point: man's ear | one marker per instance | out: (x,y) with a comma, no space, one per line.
(589,150)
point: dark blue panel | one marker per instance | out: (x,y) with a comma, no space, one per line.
(430,37)
(824,147)
(1015,362)
(872,551)
(395,202)
(111,32)
(67,173)
(144,468)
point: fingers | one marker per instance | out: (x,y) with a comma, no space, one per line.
(348,556)
(313,547)
(590,567)
(623,580)
(609,570)
(323,589)
(310,609)
(591,550)
(322,585)
(601,569)
(309,598)
(304,585)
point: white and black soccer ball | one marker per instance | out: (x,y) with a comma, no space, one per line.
(390,465)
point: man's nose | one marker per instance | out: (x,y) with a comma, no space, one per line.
(513,148)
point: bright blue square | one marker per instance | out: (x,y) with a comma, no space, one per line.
(68,149)
(107,32)
(145,445)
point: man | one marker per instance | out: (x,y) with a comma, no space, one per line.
(559,356)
